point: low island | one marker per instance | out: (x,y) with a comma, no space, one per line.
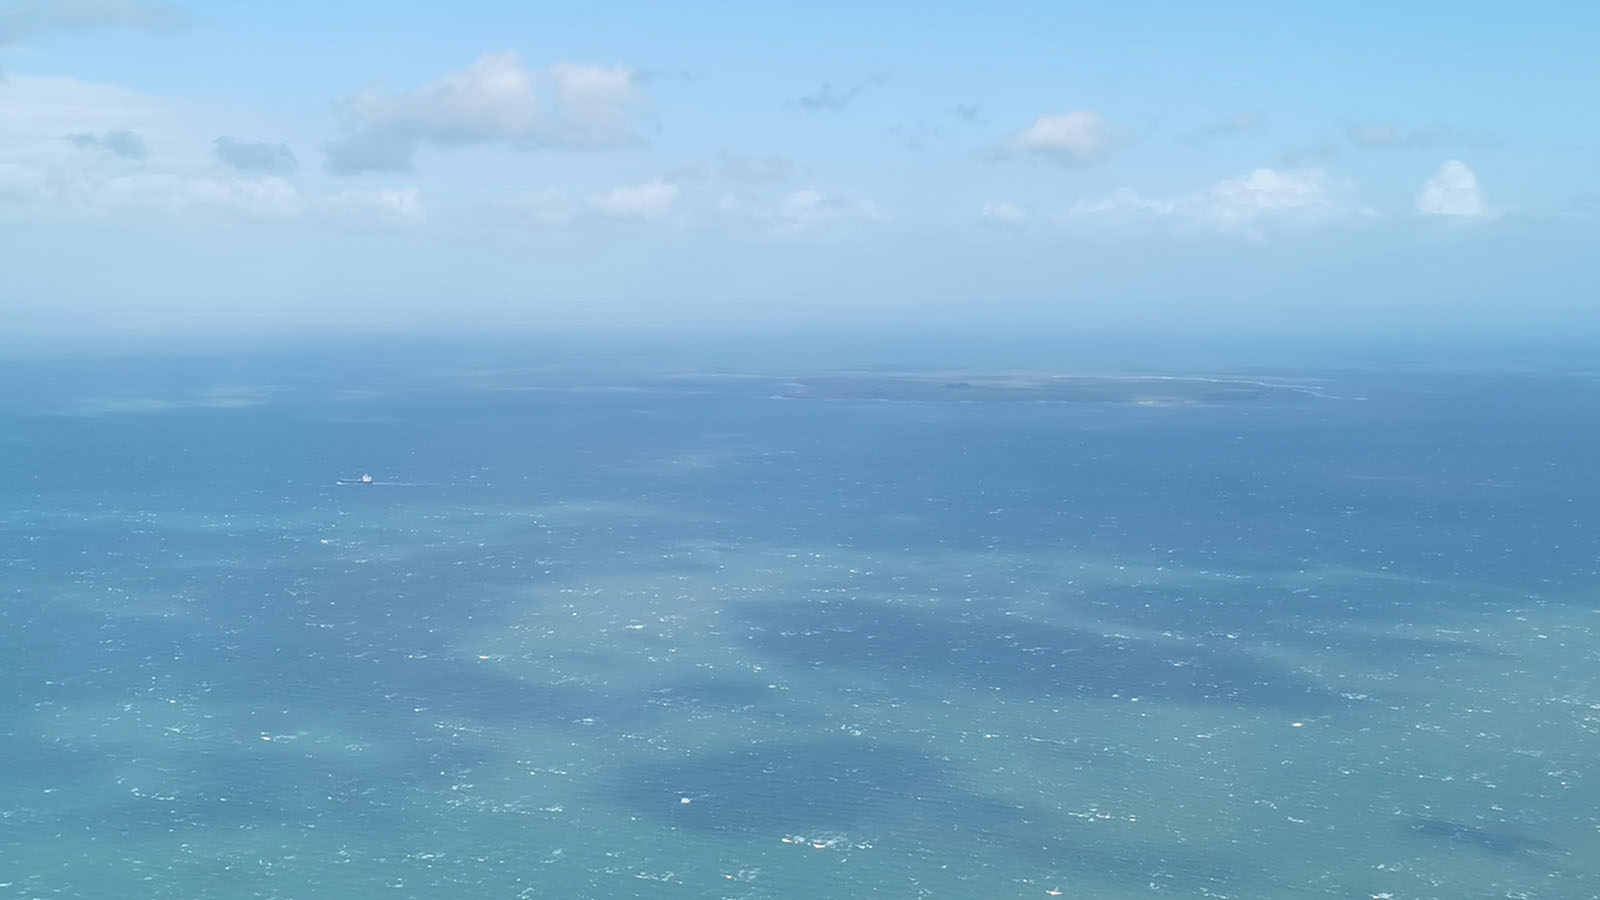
(972,388)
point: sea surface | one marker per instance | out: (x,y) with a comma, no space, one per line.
(651,627)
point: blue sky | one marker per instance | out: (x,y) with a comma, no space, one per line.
(1162,167)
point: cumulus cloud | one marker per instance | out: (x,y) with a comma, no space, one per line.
(1076,138)
(1454,193)
(90,193)
(827,98)
(66,194)
(651,201)
(593,106)
(119,142)
(264,198)
(1268,193)
(385,206)
(1247,203)
(796,213)
(1126,205)
(21,20)
(255,156)
(1002,214)
(809,209)
(495,100)
(646,202)
(738,169)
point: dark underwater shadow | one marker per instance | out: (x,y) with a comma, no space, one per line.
(362,649)
(1342,618)
(1502,842)
(1506,844)
(987,652)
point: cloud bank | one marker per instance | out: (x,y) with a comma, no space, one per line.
(496,100)
(1249,204)
(384,206)
(121,142)
(652,201)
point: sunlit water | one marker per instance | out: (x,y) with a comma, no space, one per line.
(598,635)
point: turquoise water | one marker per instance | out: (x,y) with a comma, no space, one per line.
(667,634)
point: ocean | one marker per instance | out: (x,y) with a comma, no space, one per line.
(662,624)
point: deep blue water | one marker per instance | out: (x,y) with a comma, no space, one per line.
(650,629)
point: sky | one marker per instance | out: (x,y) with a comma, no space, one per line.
(1038,167)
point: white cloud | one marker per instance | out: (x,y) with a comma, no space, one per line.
(803,204)
(49,121)
(650,201)
(384,206)
(1246,203)
(21,184)
(71,131)
(1075,138)
(1454,193)
(495,100)
(797,212)
(258,198)
(72,150)
(809,208)
(734,168)
(1124,203)
(74,194)
(596,101)
(1269,193)
(1003,214)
